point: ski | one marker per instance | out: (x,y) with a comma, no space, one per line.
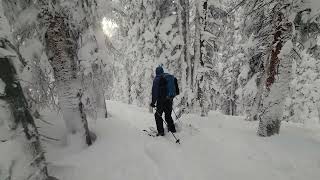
(151,132)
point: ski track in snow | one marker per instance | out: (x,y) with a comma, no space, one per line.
(217,147)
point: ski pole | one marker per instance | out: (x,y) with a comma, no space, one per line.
(177,140)
(177,118)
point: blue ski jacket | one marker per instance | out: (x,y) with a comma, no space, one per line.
(156,84)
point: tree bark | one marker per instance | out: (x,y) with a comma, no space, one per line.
(184,29)
(197,39)
(201,19)
(186,38)
(180,18)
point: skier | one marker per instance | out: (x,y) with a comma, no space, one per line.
(161,100)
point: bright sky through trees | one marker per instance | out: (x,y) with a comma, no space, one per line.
(108,26)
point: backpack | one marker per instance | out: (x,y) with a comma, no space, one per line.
(170,88)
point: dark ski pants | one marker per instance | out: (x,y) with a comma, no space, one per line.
(164,106)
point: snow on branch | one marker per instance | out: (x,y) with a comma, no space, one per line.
(16,50)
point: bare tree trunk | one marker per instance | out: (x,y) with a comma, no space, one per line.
(15,98)
(62,54)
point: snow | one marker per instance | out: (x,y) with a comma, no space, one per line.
(4,28)
(2,87)
(5,53)
(244,72)
(250,44)
(13,155)
(213,147)
(251,87)
(27,17)
(314,5)
(109,27)
(306,97)
(166,26)
(286,49)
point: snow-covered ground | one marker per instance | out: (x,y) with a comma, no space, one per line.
(217,147)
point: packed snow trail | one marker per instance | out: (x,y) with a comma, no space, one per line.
(217,147)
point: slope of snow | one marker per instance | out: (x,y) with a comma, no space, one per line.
(217,147)
(314,5)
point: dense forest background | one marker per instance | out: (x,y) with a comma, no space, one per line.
(252,58)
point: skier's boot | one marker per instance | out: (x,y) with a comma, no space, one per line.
(160,134)
(172,129)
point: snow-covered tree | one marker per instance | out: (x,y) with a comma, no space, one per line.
(14,96)
(21,120)
(273,29)
(303,103)
(61,50)
(153,39)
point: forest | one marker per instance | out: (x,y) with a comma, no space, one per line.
(77,77)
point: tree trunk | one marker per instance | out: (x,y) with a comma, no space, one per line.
(61,52)
(201,19)
(253,116)
(15,98)
(84,120)
(234,87)
(180,13)
(275,91)
(186,40)
(99,92)
(197,39)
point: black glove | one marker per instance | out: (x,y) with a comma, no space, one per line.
(153,105)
